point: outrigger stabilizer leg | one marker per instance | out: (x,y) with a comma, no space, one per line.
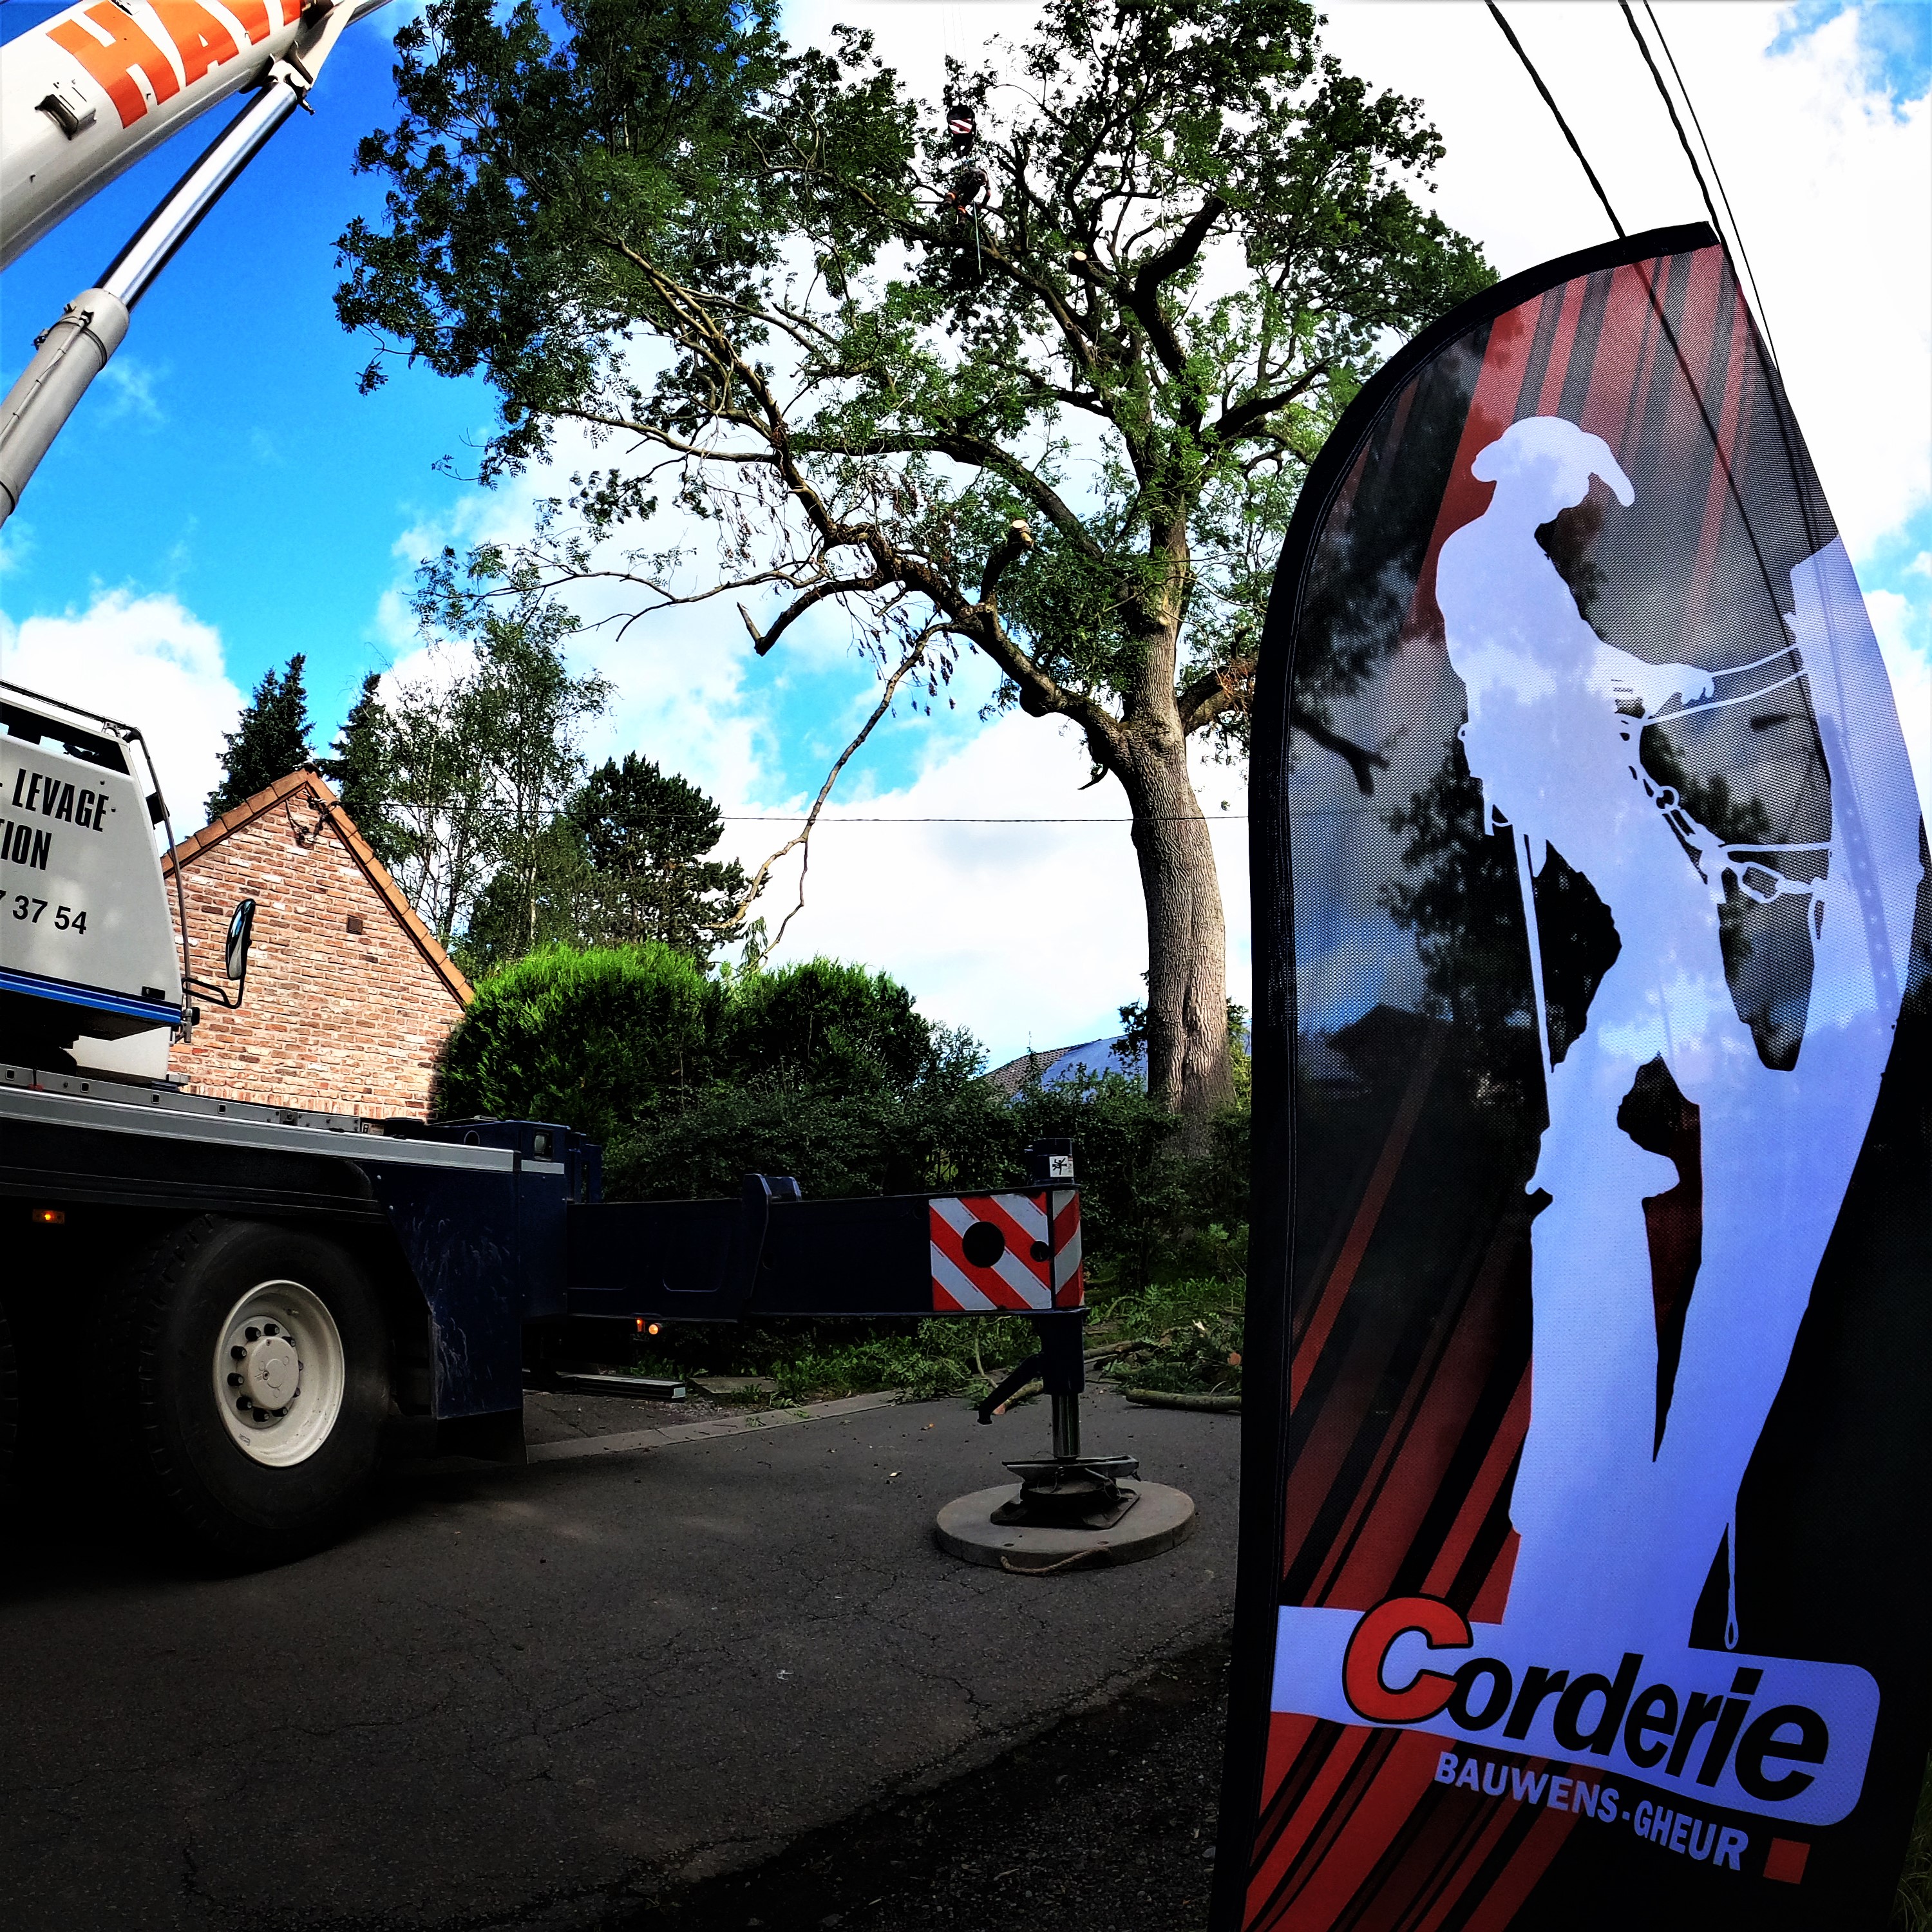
(1067,1489)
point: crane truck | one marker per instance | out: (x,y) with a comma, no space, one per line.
(239,1303)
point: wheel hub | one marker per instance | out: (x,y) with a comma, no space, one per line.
(279,1374)
(271,1373)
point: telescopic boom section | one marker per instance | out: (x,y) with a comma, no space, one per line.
(84,96)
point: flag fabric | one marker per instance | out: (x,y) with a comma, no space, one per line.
(1582,1575)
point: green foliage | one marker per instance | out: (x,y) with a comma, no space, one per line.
(1147,1179)
(542,902)
(363,771)
(819,1069)
(872,1141)
(937,1358)
(594,1038)
(643,834)
(822,1023)
(814,1361)
(553,193)
(828,1073)
(271,739)
(1197,233)
(1184,1337)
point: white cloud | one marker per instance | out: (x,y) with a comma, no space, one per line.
(148,661)
(1908,661)
(129,385)
(1031,934)
(1832,188)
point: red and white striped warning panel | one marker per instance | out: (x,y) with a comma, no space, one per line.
(1069,1282)
(996,1251)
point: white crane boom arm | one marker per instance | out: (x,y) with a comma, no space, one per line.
(109,96)
(86,94)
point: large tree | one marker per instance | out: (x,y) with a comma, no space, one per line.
(1043,387)
(483,752)
(645,835)
(270,740)
(362,768)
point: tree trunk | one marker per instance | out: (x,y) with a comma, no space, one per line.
(1187,933)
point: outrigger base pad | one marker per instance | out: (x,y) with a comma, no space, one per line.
(1156,1519)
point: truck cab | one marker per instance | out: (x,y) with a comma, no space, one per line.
(91,976)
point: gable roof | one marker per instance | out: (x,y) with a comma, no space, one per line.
(315,789)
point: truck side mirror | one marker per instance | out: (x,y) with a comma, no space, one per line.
(241,930)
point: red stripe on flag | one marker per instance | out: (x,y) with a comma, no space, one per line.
(1557,369)
(1354,1837)
(1501,1817)
(1321,1792)
(1288,1732)
(1483,1493)
(947,1241)
(1405,1479)
(1328,1306)
(1490,1599)
(1717,497)
(1518,1878)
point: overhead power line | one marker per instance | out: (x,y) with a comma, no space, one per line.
(860,818)
(1736,233)
(1549,101)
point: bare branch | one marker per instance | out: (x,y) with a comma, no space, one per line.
(1243,417)
(832,587)
(1362,762)
(803,838)
(1227,687)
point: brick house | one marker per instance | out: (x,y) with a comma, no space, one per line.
(349,997)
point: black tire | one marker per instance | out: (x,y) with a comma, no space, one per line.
(163,1326)
(9,1396)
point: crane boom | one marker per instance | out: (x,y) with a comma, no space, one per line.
(86,94)
(82,98)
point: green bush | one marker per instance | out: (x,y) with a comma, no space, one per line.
(828,1072)
(1183,1336)
(867,1142)
(823,1023)
(594,1038)
(814,1359)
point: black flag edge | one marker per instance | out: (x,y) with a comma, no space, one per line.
(1264,1408)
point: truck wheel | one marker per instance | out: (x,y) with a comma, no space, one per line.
(253,1362)
(10,1395)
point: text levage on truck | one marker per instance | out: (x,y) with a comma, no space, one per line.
(249,1303)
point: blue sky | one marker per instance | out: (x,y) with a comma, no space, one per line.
(225,498)
(226,458)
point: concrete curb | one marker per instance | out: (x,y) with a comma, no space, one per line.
(635,1441)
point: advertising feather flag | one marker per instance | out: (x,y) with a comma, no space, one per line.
(1583,1583)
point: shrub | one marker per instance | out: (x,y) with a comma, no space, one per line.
(594,1038)
(823,1023)
(875,1142)
(1183,1336)
(828,1072)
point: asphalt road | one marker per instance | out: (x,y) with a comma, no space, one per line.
(545,1697)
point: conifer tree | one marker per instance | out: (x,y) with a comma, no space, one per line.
(363,771)
(645,833)
(271,738)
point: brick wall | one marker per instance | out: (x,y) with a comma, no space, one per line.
(334,1019)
